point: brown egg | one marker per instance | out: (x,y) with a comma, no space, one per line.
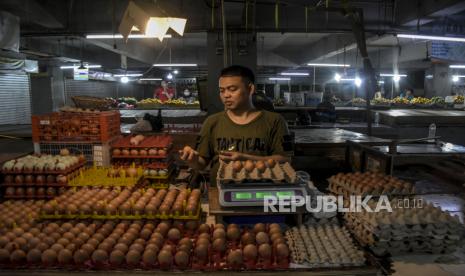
(259,227)
(185,241)
(181,259)
(137,247)
(248,238)
(105,246)
(262,238)
(237,166)
(117,257)
(271,163)
(149,257)
(34,256)
(42,246)
(204,228)
(49,257)
(65,256)
(282,251)
(202,241)
(249,165)
(63,241)
(264,250)
(71,247)
(233,234)
(80,256)
(219,233)
(260,165)
(89,248)
(274,231)
(234,258)
(99,256)
(201,251)
(276,236)
(174,235)
(165,258)
(192,225)
(250,252)
(57,247)
(18,256)
(133,257)
(219,245)
(204,236)
(4,256)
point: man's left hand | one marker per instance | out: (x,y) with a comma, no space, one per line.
(227,156)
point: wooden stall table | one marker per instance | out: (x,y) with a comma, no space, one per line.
(219,212)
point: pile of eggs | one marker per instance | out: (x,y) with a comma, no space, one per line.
(155,172)
(107,201)
(38,180)
(16,212)
(368,183)
(42,163)
(34,192)
(250,165)
(144,152)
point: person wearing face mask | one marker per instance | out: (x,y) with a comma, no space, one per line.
(240,132)
(164,93)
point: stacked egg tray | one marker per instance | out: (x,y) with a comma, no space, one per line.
(17,212)
(116,245)
(278,173)
(102,176)
(117,203)
(406,230)
(261,247)
(369,183)
(158,177)
(323,245)
(144,150)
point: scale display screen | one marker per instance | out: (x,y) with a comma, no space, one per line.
(262,195)
(284,193)
(242,196)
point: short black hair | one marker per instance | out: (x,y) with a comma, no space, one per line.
(239,71)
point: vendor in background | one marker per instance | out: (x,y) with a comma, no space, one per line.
(163,93)
(408,94)
(240,132)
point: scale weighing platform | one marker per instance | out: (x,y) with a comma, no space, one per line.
(253,194)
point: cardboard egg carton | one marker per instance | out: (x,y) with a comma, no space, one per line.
(280,173)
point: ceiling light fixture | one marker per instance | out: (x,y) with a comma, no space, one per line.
(135,16)
(280,79)
(358,81)
(337,77)
(294,74)
(455,78)
(328,65)
(458,66)
(127,75)
(174,65)
(392,75)
(150,79)
(124,79)
(431,37)
(76,66)
(396,78)
(175,72)
(169,76)
(120,36)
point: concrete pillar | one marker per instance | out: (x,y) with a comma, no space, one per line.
(440,84)
(47,90)
(242,50)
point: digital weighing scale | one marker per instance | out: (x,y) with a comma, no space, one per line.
(250,194)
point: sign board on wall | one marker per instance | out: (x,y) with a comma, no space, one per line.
(81,73)
(451,51)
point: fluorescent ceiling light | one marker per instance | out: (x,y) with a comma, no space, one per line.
(396,78)
(392,75)
(294,74)
(429,76)
(457,66)
(282,79)
(455,78)
(381,82)
(127,75)
(120,36)
(431,37)
(175,65)
(337,77)
(328,65)
(357,81)
(175,72)
(345,79)
(151,79)
(77,66)
(124,79)
(169,76)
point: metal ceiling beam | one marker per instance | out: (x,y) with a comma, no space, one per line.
(411,13)
(30,10)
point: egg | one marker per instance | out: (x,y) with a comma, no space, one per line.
(49,257)
(201,251)
(174,235)
(248,238)
(125,152)
(4,255)
(260,165)
(219,245)
(249,165)
(250,252)
(18,256)
(99,256)
(34,256)
(193,225)
(270,163)
(264,251)
(181,259)
(165,258)
(237,166)
(116,152)
(234,258)
(259,227)
(233,234)
(219,233)
(204,228)
(133,257)
(65,256)
(262,238)
(117,257)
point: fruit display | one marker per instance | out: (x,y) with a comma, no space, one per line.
(421,101)
(270,170)
(381,101)
(140,146)
(154,103)
(279,102)
(358,101)
(78,110)
(438,100)
(109,177)
(368,183)
(124,203)
(400,101)
(410,228)
(74,125)
(18,212)
(459,99)
(323,244)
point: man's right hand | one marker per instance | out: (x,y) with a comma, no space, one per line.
(189,155)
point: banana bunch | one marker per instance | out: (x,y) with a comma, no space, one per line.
(438,100)
(399,100)
(150,101)
(358,100)
(380,101)
(459,100)
(420,100)
(175,102)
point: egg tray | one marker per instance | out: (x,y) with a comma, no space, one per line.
(159,141)
(96,177)
(280,173)
(167,156)
(28,197)
(66,172)
(34,185)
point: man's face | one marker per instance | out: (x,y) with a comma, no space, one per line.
(234,93)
